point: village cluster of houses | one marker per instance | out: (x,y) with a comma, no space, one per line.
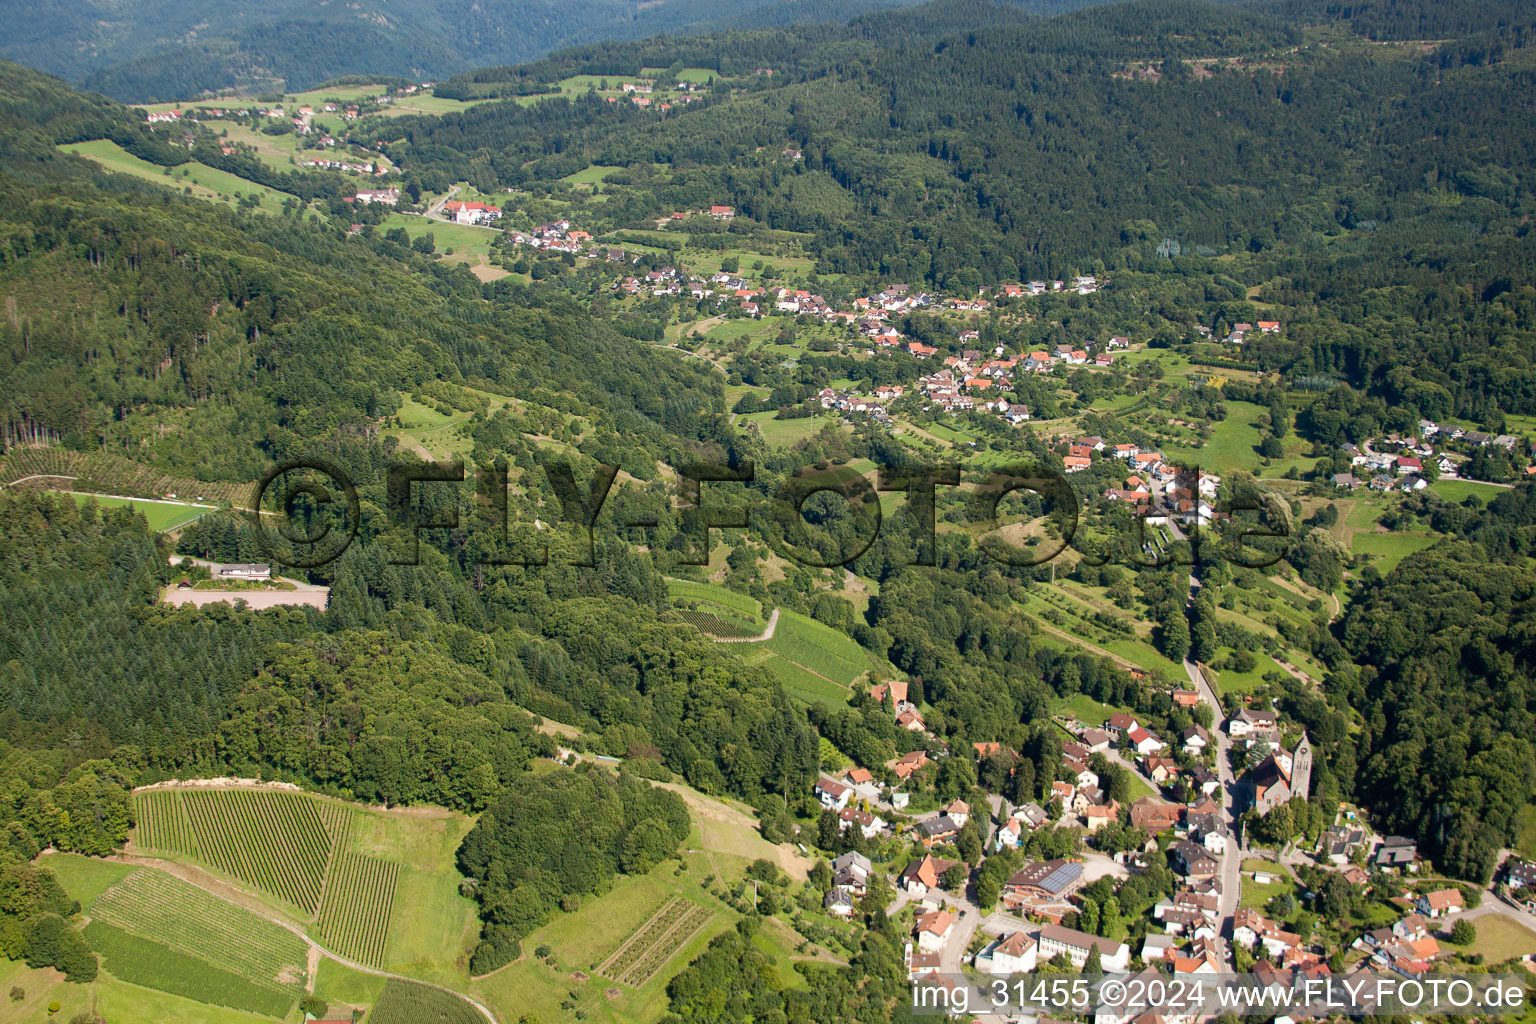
(559,236)
(1396,462)
(352,166)
(1187,935)
(1155,488)
(1241,331)
(1082,285)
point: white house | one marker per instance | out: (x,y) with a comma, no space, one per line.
(934,929)
(832,794)
(1015,954)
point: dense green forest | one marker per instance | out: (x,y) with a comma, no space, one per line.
(551,839)
(141,52)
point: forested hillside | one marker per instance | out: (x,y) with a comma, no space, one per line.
(147,51)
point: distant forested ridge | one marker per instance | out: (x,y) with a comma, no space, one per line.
(151,50)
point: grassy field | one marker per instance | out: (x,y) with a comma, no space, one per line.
(592,175)
(1458,490)
(1231,445)
(463,239)
(1256,896)
(1232,681)
(431,433)
(1386,550)
(568,985)
(783,433)
(161,515)
(195,178)
(107,997)
(1498,939)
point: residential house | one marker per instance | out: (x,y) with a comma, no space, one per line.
(939,829)
(1143,741)
(1015,953)
(839,902)
(1440,903)
(933,930)
(1519,874)
(1120,723)
(1196,739)
(922,877)
(1396,852)
(1193,860)
(1032,815)
(959,812)
(852,870)
(1154,815)
(1096,740)
(908,765)
(1249,927)
(832,794)
(868,823)
(1253,724)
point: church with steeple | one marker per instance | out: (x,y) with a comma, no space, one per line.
(1282,776)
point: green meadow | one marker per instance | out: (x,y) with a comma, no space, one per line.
(193,178)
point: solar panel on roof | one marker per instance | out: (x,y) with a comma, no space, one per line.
(1062,877)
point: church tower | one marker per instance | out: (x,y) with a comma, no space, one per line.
(1301,768)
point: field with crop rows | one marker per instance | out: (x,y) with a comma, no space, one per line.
(354,915)
(278,842)
(141,961)
(715,610)
(646,950)
(154,905)
(163,822)
(403,1002)
(819,648)
(714,626)
(61,469)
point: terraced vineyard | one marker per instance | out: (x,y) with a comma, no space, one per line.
(62,469)
(188,920)
(354,915)
(646,950)
(275,841)
(404,1002)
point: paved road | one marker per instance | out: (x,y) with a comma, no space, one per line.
(1232,859)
